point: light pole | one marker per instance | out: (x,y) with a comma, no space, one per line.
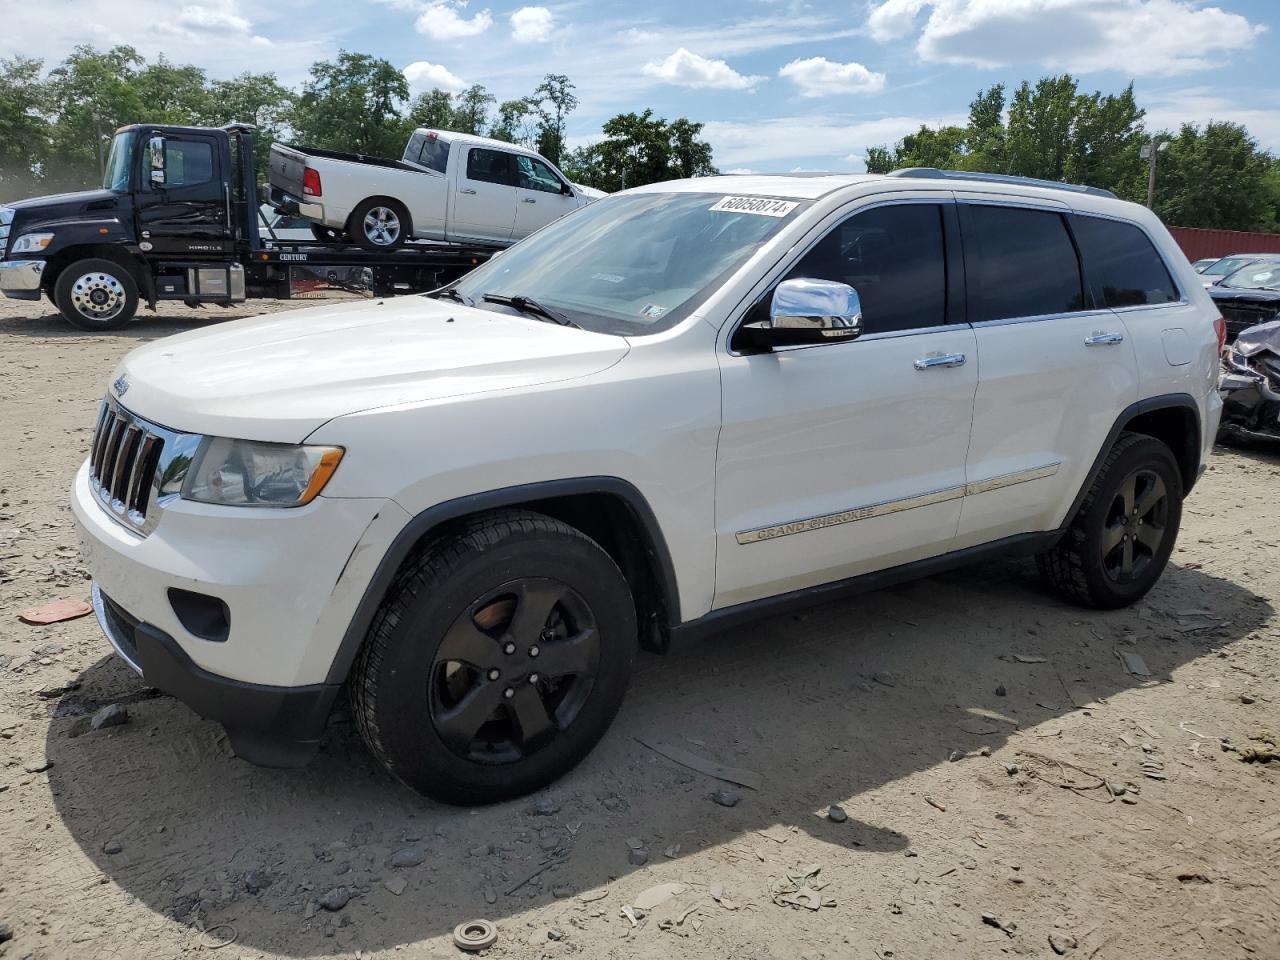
(1149,153)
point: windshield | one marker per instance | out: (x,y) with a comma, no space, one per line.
(632,264)
(1264,275)
(1227,265)
(116,177)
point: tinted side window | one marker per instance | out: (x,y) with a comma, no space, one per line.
(1123,267)
(1018,263)
(489,166)
(894,257)
(187,163)
(435,154)
(535,175)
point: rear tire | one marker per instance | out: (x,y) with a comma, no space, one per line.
(96,295)
(497,660)
(326,234)
(380,225)
(1121,538)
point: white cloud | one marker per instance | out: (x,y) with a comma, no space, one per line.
(1140,37)
(532,25)
(207,18)
(740,171)
(820,77)
(767,144)
(423,76)
(686,69)
(443,20)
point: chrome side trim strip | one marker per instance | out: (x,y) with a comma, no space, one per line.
(850,516)
(887,507)
(1009,479)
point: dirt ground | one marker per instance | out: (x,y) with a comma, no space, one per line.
(967,724)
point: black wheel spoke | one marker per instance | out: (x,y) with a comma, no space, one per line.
(1150,498)
(571,656)
(1128,493)
(535,600)
(531,716)
(1126,560)
(1112,537)
(459,724)
(1151,536)
(467,643)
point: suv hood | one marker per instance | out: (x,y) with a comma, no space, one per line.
(279,377)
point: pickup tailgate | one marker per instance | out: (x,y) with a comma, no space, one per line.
(285,169)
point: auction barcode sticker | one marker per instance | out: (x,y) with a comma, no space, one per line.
(763,206)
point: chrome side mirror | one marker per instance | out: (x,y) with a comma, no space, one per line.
(155,147)
(805,311)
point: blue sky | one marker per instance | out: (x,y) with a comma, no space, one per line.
(780,84)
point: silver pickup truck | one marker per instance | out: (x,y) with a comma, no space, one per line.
(447,186)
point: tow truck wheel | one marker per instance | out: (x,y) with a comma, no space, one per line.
(379,225)
(96,295)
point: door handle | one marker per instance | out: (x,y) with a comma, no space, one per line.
(466,190)
(1100,338)
(940,360)
(530,200)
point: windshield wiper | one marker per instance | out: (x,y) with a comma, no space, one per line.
(525,305)
(453,294)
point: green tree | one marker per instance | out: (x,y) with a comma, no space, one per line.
(352,103)
(517,122)
(1214,176)
(25,129)
(173,94)
(879,160)
(471,110)
(554,100)
(640,148)
(90,94)
(433,109)
(256,98)
(985,137)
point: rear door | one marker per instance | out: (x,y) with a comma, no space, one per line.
(540,196)
(1055,368)
(190,211)
(484,203)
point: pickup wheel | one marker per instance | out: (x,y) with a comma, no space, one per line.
(497,660)
(1120,539)
(380,224)
(326,234)
(96,294)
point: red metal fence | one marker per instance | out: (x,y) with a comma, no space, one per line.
(1198,244)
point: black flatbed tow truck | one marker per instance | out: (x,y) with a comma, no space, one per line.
(178,218)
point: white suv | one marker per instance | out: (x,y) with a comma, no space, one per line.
(679,406)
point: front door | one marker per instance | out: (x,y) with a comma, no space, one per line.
(484,203)
(1056,368)
(540,196)
(845,458)
(188,212)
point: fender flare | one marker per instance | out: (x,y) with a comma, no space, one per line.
(523,494)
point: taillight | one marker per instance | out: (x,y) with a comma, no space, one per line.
(310,182)
(1220,328)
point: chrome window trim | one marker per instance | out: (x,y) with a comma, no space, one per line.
(887,507)
(1041,317)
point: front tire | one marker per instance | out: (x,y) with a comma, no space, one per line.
(380,224)
(96,295)
(1121,538)
(498,659)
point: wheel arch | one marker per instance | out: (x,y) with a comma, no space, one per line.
(1173,419)
(610,510)
(66,256)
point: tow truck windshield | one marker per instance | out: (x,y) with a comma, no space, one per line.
(116,177)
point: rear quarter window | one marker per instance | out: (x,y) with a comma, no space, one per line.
(1121,265)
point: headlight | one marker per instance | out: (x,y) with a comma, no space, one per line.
(31,243)
(251,474)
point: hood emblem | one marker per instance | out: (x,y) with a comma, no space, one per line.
(121,385)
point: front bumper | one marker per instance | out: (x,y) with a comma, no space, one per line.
(21,279)
(289,581)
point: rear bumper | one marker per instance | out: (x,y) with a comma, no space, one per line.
(21,279)
(269,726)
(290,204)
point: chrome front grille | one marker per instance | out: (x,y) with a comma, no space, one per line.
(136,466)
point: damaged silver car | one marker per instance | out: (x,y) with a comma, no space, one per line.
(1250,385)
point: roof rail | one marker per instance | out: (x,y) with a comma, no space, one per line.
(933,173)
